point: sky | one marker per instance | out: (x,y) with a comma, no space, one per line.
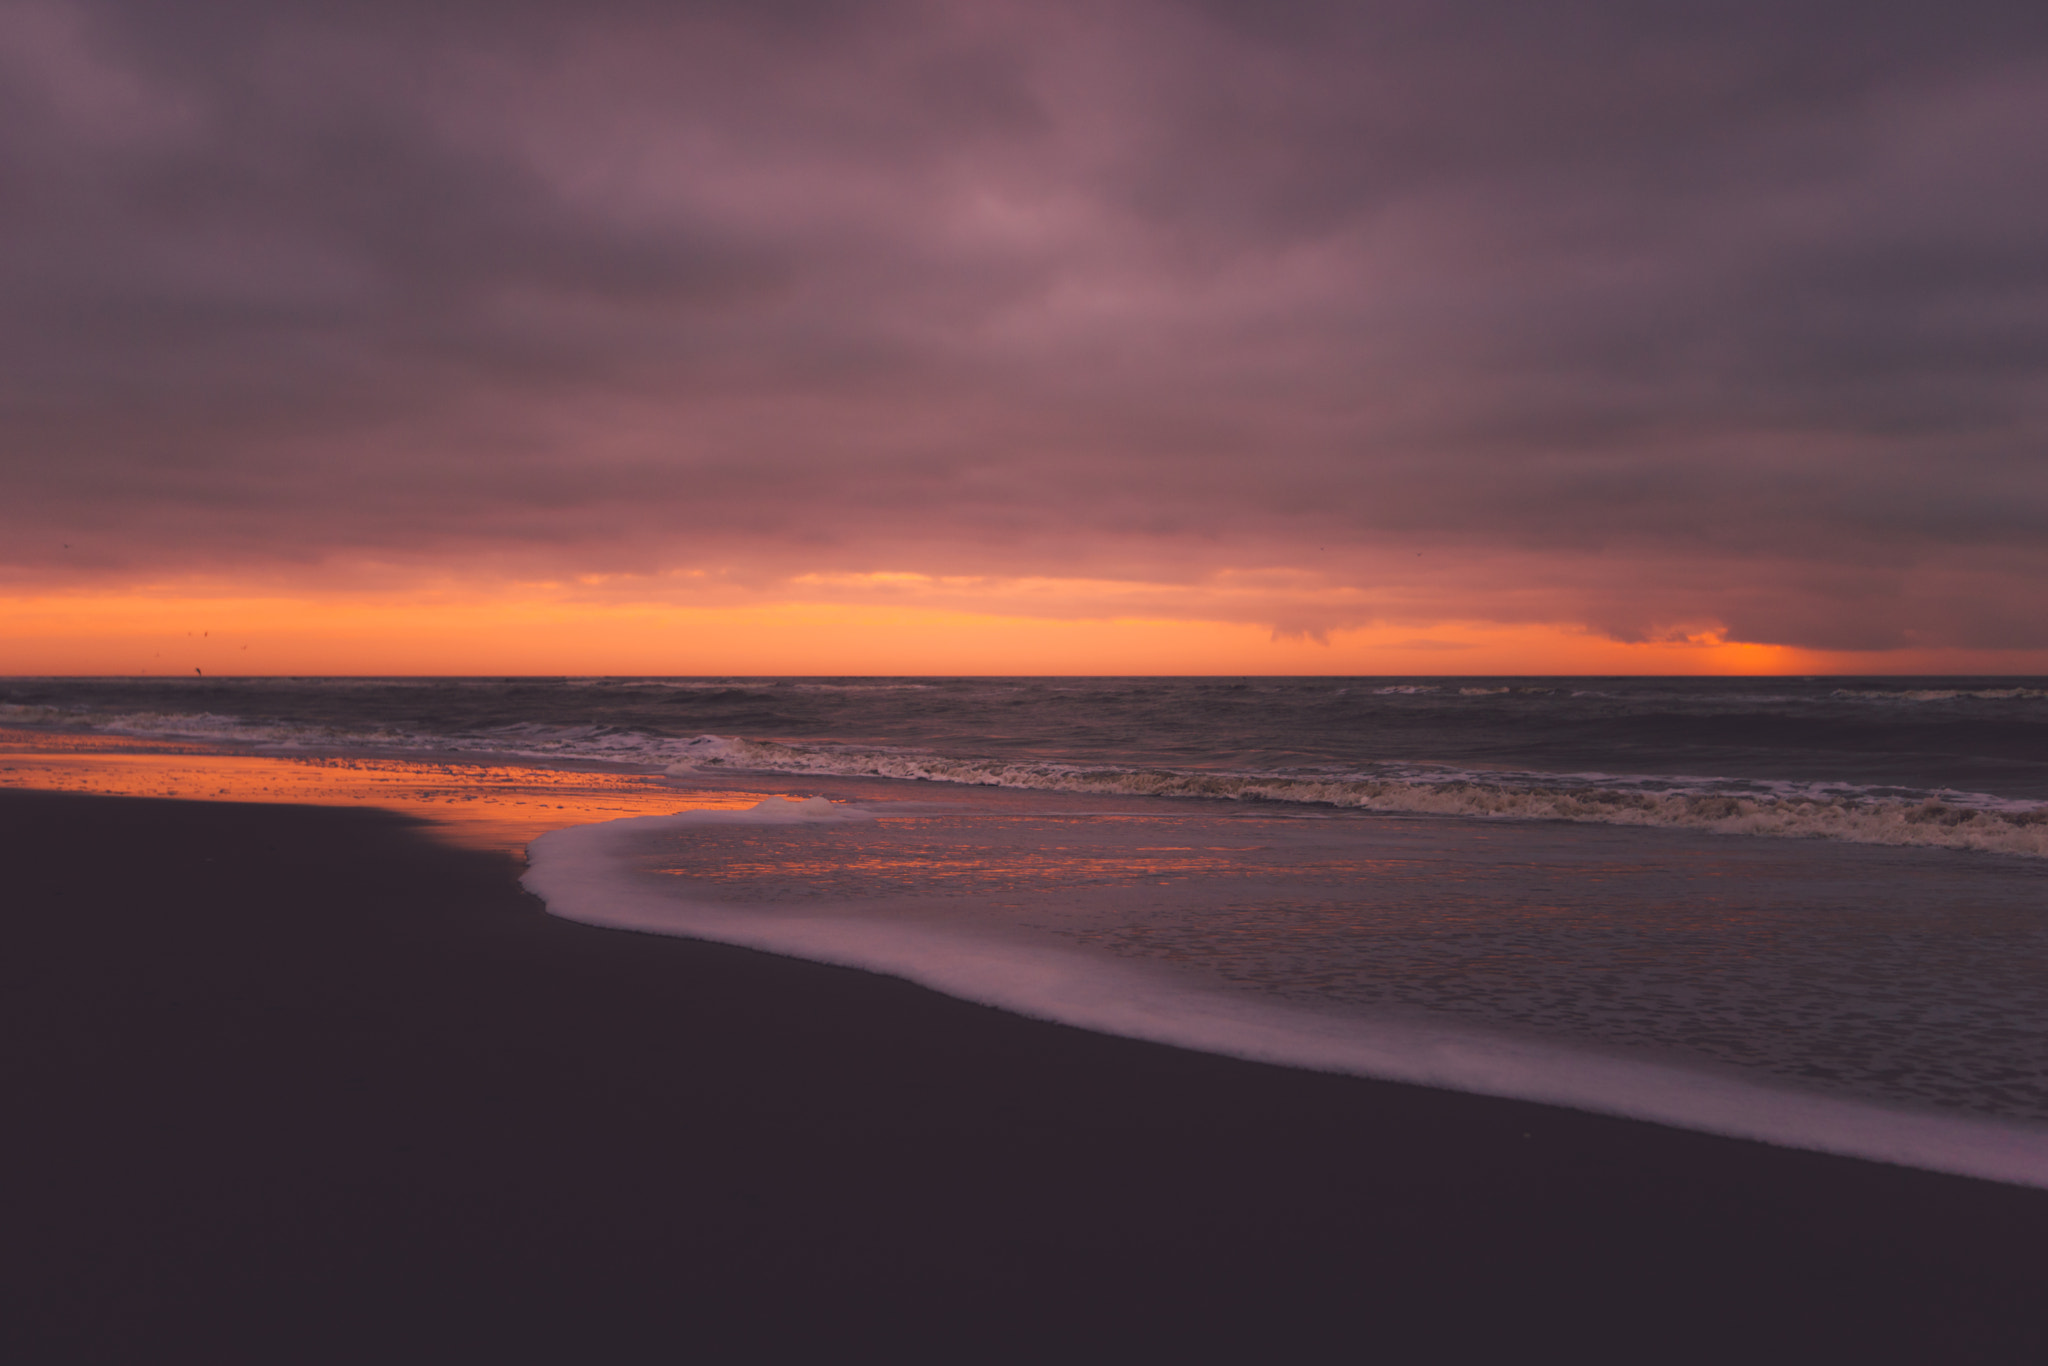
(797,336)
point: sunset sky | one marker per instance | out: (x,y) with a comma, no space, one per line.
(1443,336)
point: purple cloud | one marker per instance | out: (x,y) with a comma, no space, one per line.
(1642,316)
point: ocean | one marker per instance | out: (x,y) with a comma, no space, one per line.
(1808,911)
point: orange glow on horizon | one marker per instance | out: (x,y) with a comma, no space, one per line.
(142,634)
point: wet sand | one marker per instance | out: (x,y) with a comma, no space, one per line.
(294,1083)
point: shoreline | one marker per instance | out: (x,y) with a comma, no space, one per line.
(579,873)
(305,1080)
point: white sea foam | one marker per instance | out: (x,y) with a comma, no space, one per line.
(1809,811)
(785,811)
(1944,694)
(587,873)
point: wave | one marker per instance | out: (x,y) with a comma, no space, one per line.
(1720,700)
(1800,811)
(519,740)
(588,873)
(1942,694)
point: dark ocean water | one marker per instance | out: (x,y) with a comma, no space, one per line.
(1988,734)
(1715,902)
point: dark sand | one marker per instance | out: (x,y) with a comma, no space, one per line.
(295,1084)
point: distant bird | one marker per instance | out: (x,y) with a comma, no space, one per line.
(197,671)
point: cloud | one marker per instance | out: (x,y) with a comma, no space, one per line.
(1649,317)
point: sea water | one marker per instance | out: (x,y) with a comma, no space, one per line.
(1807,911)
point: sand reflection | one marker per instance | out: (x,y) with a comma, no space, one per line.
(477,805)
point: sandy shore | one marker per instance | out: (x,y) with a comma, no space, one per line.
(292,1083)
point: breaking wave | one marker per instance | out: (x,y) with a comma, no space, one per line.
(1950,820)
(1944,694)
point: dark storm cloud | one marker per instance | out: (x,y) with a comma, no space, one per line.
(1647,315)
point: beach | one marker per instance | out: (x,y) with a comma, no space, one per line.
(975,682)
(305,1083)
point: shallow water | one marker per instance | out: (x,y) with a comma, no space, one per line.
(1907,976)
(479,805)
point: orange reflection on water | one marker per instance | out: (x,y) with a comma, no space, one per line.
(925,857)
(493,806)
(929,869)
